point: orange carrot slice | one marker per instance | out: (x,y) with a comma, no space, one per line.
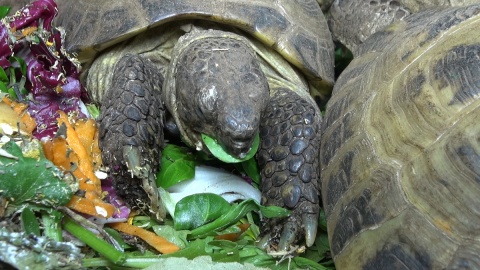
(80,139)
(159,243)
(84,160)
(28,124)
(234,236)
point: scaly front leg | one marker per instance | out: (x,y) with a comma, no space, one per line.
(131,132)
(288,160)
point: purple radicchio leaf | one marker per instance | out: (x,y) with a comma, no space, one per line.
(52,75)
(122,210)
(5,50)
(39,13)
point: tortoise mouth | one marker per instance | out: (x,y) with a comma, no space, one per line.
(236,147)
(239,130)
(241,149)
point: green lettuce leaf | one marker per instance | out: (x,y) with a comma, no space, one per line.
(196,210)
(177,165)
(31,179)
(219,152)
(205,214)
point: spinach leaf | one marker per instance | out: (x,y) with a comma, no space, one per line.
(4,10)
(228,217)
(196,210)
(219,152)
(177,165)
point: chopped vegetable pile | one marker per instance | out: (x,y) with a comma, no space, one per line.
(35,63)
(58,207)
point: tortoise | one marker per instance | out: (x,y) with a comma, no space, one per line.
(228,69)
(353,21)
(400,151)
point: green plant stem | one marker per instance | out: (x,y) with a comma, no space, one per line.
(51,223)
(92,240)
(137,262)
(235,214)
(230,218)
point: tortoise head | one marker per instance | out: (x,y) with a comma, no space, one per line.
(221,91)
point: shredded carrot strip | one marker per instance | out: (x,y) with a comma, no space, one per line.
(82,205)
(84,160)
(48,149)
(159,243)
(96,153)
(91,205)
(78,148)
(98,202)
(62,156)
(28,123)
(87,130)
(27,31)
(234,236)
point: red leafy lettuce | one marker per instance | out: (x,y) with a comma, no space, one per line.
(52,74)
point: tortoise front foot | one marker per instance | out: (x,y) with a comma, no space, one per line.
(288,160)
(131,132)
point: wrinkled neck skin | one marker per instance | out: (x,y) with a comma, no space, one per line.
(220,90)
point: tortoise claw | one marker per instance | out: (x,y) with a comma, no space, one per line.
(310,222)
(264,242)
(132,157)
(157,206)
(287,233)
(288,236)
(288,159)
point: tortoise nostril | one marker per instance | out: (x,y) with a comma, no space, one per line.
(231,123)
(238,119)
(238,135)
(240,130)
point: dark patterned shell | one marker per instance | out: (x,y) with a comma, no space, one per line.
(400,151)
(296,29)
(353,21)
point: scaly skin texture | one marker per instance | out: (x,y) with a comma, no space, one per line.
(288,160)
(221,91)
(131,129)
(215,84)
(219,87)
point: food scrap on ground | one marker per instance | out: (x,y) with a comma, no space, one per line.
(54,90)
(23,119)
(52,110)
(74,151)
(159,243)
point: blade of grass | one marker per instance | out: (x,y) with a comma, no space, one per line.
(92,240)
